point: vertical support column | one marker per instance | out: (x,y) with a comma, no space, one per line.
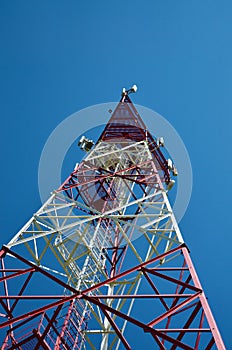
(217,337)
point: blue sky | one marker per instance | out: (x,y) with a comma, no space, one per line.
(58,57)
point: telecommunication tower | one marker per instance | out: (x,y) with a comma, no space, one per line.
(102,264)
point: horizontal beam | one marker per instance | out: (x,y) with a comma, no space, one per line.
(144,296)
(184,330)
(31,297)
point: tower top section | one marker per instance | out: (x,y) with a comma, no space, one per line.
(125,122)
(126,125)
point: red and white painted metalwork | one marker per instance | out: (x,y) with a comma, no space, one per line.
(102,264)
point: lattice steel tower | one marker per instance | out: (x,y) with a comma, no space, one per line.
(102,264)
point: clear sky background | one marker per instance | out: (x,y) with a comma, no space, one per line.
(58,57)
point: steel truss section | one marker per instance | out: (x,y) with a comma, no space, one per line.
(103,259)
(44,326)
(178,310)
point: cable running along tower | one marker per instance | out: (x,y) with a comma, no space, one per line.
(102,264)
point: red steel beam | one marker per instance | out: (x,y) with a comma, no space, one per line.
(13,275)
(205,305)
(171,311)
(184,330)
(173,280)
(143,296)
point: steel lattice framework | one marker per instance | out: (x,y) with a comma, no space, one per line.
(102,264)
